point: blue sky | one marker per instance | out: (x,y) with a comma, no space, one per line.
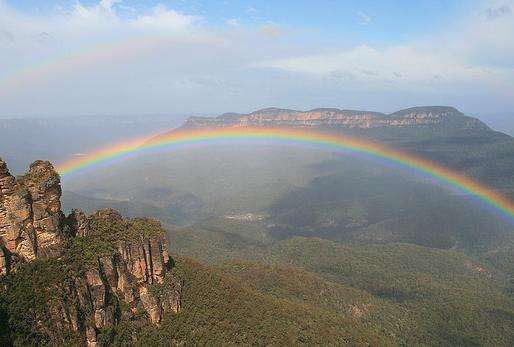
(181,56)
(377,22)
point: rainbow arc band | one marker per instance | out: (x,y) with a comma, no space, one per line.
(329,141)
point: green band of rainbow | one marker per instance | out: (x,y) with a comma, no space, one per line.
(192,136)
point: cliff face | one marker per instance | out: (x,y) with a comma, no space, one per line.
(109,270)
(31,221)
(119,284)
(431,116)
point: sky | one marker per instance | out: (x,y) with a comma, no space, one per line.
(78,57)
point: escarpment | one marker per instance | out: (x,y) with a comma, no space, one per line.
(429,116)
(89,274)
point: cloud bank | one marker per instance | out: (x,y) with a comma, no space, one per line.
(111,58)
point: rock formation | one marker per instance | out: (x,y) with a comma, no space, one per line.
(78,223)
(127,275)
(335,118)
(31,221)
(120,285)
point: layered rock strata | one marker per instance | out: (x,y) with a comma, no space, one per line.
(31,220)
(430,116)
(132,278)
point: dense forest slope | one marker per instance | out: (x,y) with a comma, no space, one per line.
(416,295)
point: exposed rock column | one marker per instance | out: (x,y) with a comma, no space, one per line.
(78,224)
(16,227)
(31,221)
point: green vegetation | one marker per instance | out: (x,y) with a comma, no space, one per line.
(224,310)
(302,291)
(370,206)
(39,293)
(416,295)
(112,230)
(194,184)
(502,261)
(32,303)
(262,289)
(306,193)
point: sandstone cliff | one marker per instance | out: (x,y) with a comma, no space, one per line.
(430,116)
(131,261)
(31,221)
(102,270)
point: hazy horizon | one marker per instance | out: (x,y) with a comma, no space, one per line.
(503,122)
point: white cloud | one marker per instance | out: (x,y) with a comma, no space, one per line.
(478,52)
(271,30)
(233,22)
(108,4)
(251,10)
(108,58)
(162,18)
(487,40)
(127,8)
(363,18)
(102,12)
(495,12)
(36,48)
(383,67)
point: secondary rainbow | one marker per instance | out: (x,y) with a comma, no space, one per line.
(368,148)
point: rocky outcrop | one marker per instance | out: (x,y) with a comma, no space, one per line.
(43,185)
(78,223)
(4,262)
(113,269)
(134,279)
(430,116)
(31,221)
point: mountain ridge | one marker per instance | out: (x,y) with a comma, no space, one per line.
(419,116)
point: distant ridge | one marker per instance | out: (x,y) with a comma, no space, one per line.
(427,109)
(445,117)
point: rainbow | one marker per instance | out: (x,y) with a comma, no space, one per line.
(71,62)
(178,138)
